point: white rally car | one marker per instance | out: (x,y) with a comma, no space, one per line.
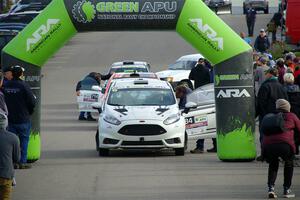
(129,67)
(201,118)
(140,114)
(178,72)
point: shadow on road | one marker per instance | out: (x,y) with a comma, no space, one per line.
(69,154)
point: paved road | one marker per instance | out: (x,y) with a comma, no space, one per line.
(70,168)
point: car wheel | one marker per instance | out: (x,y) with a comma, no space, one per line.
(97,140)
(266,11)
(103,152)
(187,83)
(180,151)
(185,141)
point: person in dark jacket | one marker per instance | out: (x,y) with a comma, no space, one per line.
(268,93)
(281,145)
(7,73)
(262,43)
(20,103)
(90,80)
(181,92)
(9,154)
(250,19)
(281,70)
(3,106)
(200,74)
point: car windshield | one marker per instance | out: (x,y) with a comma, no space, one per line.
(183,65)
(203,95)
(131,69)
(141,97)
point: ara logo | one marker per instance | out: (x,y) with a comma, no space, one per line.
(40,32)
(84,11)
(235,93)
(208,31)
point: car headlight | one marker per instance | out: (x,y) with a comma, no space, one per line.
(111,119)
(172,119)
(170,79)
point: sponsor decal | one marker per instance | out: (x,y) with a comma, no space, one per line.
(42,34)
(85,11)
(208,34)
(197,121)
(233,93)
(232,77)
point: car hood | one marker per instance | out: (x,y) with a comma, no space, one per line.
(171,73)
(141,112)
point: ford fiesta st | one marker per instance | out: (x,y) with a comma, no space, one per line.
(140,114)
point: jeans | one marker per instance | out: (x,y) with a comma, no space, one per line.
(5,189)
(82,114)
(272,153)
(23,132)
(250,25)
(200,143)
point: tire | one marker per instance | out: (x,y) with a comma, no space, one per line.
(266,11)
(180,151)
(97,140)
(188,83)
(185,141)
(103,152)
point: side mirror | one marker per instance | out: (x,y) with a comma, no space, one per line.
(97,106)
(191,105)
(96,88)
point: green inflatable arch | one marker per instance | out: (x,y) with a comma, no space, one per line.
(192,19)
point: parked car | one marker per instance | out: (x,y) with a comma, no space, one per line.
(258,5)
(29,5)
(5,37)
(22,17)
(201,117)
(140,114)
(178,72)
(220,5)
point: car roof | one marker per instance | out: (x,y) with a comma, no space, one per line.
(129,62)
(140,83)
(140,75)
(190,57)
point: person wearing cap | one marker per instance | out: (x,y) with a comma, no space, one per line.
(250,19)
(268,93)
(259,73)
(9,154)
(7,73)
(281,145)
(262,43)
(200,74)
(20,103)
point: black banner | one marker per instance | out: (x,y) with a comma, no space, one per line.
(105,15)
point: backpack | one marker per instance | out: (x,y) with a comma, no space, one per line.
(273,124)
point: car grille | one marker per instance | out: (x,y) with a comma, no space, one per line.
(142,130)
(142,143)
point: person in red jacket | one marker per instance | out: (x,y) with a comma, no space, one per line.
(281,145)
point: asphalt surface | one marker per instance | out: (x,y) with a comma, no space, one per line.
(70,168)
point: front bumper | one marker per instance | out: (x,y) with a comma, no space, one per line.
(111,138)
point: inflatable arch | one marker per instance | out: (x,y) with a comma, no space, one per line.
(192,19)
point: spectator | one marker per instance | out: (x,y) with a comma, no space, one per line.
(269,92)
(262,43)
(280,144)
(3,106)
(246,39)
(9,154)
(281,70)
(272,28)
(90,80)
(289,85)
(181,93)
(297,75)
(289,62)
(20,103)
(259,73)
(250,19)
(7,72)
(200,74)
